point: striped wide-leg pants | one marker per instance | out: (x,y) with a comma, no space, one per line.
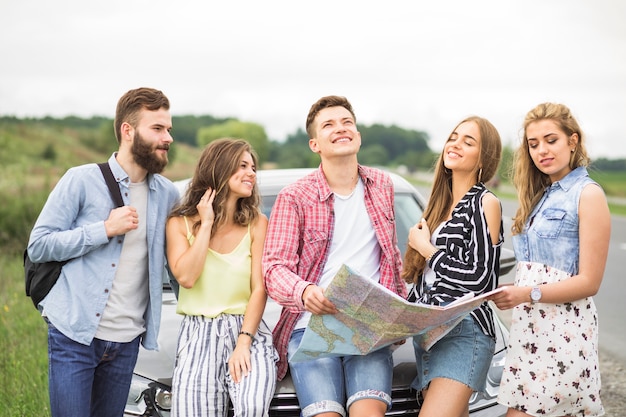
(201,384)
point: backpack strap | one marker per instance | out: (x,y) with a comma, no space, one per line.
(114,187)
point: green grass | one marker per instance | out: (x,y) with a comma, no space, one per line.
(617,209)
(613,183)
(23,343)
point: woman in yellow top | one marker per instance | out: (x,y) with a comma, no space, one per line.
(214,247)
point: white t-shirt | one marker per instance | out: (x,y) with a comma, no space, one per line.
(354,242)
(123,316)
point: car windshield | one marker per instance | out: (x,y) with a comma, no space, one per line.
(408,213)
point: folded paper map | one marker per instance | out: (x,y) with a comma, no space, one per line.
(371,317)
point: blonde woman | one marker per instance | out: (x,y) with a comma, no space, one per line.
(561,237)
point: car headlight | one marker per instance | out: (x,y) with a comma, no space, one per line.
(148,398)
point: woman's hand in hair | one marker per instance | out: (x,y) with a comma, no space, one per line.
(205,207)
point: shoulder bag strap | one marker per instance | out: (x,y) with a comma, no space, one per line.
(114,187)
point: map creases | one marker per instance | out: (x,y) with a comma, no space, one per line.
(371,317)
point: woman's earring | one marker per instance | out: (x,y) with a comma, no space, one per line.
(480,174)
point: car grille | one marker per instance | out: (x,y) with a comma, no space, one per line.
(404,403)
(285,405)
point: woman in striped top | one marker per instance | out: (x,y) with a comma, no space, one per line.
(453,251)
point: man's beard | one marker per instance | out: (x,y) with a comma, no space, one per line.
(146,157)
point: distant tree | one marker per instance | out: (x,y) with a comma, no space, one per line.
(417,160)
(375,154)
(395,139)
(49,153)
(381,145)
(274,149)
(505,170)
(299,138)
(185,128)
(77,122)
(100,138)
(294,152)
(291,155)
(252,132)
(107,133)
(604,164)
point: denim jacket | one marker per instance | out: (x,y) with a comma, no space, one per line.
(71,226)
(550,235)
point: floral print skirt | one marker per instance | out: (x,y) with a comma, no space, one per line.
(552,366)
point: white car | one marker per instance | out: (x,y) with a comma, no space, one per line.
(150,393)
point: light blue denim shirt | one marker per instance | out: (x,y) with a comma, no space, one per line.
(550,235)
(71,226)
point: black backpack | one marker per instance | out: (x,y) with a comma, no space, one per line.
(39,278)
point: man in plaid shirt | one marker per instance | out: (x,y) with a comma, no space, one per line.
(343,213)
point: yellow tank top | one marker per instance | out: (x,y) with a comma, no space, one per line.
(224,286)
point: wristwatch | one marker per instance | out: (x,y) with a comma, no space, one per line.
(535,295)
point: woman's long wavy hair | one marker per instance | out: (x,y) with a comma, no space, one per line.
(219,161)
(440,200)
(529,181)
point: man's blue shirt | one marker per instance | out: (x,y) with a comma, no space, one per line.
(71,227)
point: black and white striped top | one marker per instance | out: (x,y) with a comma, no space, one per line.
(469,262)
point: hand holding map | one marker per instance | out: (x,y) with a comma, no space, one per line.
(371,317)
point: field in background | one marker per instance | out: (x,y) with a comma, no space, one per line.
(25,179)
(614,183)
(23,343)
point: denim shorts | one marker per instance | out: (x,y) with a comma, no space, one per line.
(322,385)
(463,355)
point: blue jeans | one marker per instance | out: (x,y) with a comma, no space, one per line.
(89,380)
(322,385)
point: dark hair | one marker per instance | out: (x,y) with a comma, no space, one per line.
(323,103)
(218,162)
(131,103)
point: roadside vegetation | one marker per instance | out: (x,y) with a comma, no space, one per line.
(36,152)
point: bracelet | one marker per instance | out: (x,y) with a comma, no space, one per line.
(247,334)
(431,254)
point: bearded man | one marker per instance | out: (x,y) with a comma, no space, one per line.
(107,299)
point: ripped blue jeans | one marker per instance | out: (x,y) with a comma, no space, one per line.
(322,385)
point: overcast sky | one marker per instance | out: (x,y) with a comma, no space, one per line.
(421,65)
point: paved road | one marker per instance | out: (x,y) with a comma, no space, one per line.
(611,299)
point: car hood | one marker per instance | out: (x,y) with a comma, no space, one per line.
(159,365)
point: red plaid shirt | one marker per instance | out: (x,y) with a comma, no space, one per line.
(298,237)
